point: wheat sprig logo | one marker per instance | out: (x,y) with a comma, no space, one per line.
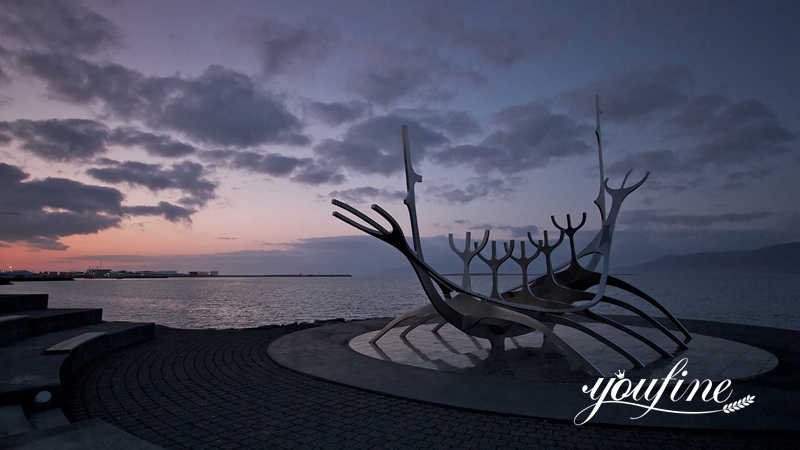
(739,404)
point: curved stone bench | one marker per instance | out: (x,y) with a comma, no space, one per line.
(40,349)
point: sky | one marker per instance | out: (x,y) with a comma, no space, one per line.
(208,135)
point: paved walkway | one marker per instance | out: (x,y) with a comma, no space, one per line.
(219,389)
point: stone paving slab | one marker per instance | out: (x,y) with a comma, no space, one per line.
(219,389)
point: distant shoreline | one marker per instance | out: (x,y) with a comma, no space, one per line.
(280,276)
(9,281)
(205,277)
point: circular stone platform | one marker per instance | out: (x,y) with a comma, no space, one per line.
(451,350)
(540,390)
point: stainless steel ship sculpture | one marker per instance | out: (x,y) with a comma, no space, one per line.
(558,297)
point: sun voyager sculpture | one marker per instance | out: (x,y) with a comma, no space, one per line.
(567,294)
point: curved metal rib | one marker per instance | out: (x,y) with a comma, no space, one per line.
(619,284)
(613,323)
(421,321)
(427,309)
(648,318)
(442,322)
(533,324)
(561,320)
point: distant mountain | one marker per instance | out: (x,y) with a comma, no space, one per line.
(774,258)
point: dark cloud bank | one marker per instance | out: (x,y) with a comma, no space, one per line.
(188,177)
(53,208)
(81,140)
(219,107)
(58,26)
(288,48)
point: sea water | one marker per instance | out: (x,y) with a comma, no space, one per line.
(771,300)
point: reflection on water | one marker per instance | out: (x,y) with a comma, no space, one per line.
(755,299)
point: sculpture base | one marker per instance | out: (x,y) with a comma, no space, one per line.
(526,358)
(326,353)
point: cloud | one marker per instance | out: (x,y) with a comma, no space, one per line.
(696,112)
(502,47)
(516,232)
(733,132)
(664,161)
(188,177)
(519,232)
(285,48)
(336,113)
(65,140)
(5,57)
(154,144)
(650,218)
(80,140)
(631,97)
(53,208)
(59,139)
(738,179)
(274,164)
(475,188)
(387,84)
(455,124)
(316,173)
(374,146)
(11,174)
(56,193)
(722,134)
(674,185)
(634,20)
(59,26)
(300,170)
(173,213)
(366,194)
(122,92)
(220,107)
(225,107)
(528,136)
(393,73)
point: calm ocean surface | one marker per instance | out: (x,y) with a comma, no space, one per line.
(756,299)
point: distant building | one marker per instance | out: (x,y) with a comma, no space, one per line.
(18,274)
(97,273)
